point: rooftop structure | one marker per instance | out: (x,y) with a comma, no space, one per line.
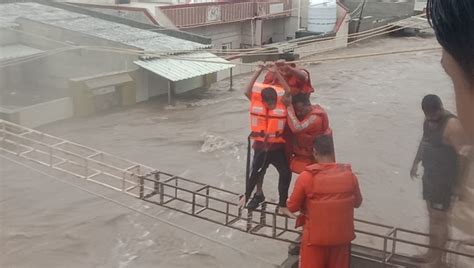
(127,35)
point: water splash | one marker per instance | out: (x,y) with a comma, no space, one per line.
(214,143)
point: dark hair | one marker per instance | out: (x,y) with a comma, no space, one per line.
(453,23)
(269,94)
(431,103)
(324,145)
(301,98)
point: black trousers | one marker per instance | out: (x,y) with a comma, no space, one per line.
(260,163)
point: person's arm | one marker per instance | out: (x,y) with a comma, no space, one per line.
(456,137)
(454,134)
(296,125)
(300,75)
(296,201)
(357,193)
(286,99)
(416,162)
(249,87)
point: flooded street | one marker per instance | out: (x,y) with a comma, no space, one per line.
(375,112)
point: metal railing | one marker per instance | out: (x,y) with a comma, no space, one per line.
(190,197)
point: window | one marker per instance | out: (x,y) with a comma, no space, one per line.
(226,46)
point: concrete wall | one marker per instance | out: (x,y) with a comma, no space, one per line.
(246,32)
(275,29)
(50,74)
(221,33)
(378,13)
(127,14)
(157,85)
(341,34)
(291,23)
(101,92)
(318,47)
(53,72)
(8,37)
(240,33)
(140,76)
(42,113)
(188,84)
(102,2)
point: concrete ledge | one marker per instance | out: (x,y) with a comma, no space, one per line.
(40,114)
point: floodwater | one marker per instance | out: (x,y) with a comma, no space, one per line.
(374,110)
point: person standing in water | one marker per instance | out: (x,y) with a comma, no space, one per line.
(443,138)
(453,24)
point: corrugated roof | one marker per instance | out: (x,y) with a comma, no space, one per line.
(16,51)
(142,39)
(176,69)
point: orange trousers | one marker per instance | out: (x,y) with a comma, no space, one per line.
(325,256)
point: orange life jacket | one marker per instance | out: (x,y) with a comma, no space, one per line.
(330,205)
(303,141)
(267,125)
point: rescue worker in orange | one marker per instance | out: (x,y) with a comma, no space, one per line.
(299,80)
(306,122)
(326,194)
(268,111)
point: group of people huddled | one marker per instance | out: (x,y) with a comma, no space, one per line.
(294,136)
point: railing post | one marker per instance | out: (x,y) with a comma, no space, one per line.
(240,208)
(193,205)
(142,186)
(124,185)
(176,187)
(249,220)
(227,213)
(394,242)
(156,182)
(263,215)
(162,193)
(274,223)
(207,197)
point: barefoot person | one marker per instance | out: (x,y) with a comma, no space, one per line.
(443,137)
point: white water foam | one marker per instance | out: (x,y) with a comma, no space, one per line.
(214,143)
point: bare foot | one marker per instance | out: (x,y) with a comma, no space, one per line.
(242,201)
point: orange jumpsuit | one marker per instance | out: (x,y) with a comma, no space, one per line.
(304,132)
(326,195)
